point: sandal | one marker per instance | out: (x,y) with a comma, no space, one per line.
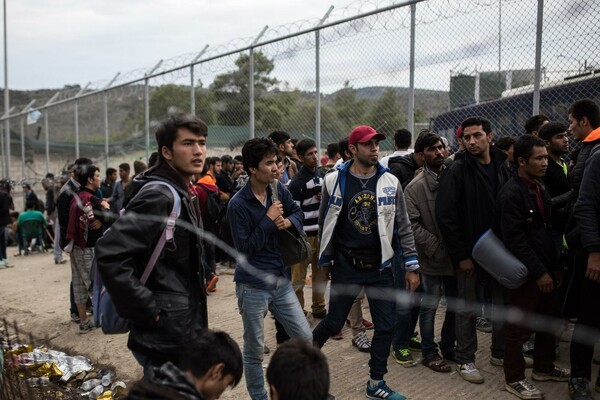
(437,364)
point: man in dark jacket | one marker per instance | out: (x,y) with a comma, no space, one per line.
(469,190)
(6,205)
(522,221)
(170,309)
(210,364)
(405,167)
(584,118)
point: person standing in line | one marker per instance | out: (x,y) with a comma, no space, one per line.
(6,205)
(363,220)
(118,196)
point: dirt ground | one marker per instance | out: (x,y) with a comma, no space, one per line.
(35,294)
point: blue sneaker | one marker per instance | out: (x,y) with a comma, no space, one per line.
(382,391)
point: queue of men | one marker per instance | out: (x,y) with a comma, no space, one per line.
(371,230)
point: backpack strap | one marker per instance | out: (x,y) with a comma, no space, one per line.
(167,233)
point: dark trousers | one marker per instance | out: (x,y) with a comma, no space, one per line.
(407,312)
(346,283)
(582,343)
(530,300)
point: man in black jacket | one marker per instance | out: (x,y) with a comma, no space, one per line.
(584,118)
(522,221)
(469,188)
(170,309)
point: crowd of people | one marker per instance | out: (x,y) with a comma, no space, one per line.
(398,231)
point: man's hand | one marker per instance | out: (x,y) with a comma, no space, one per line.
(466,266)
(412,281)
(593,267)
(545,283)
(283,223)
(96,224)
(275,211)
(105,204)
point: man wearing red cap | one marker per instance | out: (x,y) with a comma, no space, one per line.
(362,216)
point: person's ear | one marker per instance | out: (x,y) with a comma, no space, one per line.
(522,161)
(166,153)
(252,170)
(216,371)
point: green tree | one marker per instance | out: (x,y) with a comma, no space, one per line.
(386,116)
(168,99)
(350,111)
(301,120)
(232,93)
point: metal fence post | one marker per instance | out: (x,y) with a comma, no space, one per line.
(76,128)
(538,58)
(23,146)
(411,85)
(105,100)
(6,143)
(147,108)
(192,81)
(46,132)
(251,80)
(318,82)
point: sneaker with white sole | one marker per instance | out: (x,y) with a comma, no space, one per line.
(524,390)
(382,391)
(362,342)
(469,373)
(86,326)
(556,375)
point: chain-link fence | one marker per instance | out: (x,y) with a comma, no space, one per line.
(416,64)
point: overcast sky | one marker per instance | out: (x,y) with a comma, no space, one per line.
(52,43)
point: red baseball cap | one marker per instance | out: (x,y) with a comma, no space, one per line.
(364,133)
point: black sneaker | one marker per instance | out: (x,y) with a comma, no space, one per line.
(524,390)
(483,325)
(415,343)
(75,318)
(557,375)
(403,357)
(579,389)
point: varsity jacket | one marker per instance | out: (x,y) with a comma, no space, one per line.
(393,225)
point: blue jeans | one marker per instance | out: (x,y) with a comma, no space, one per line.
(432,287)
(253,304)
(346,283)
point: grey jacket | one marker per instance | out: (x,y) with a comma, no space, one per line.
(421,194)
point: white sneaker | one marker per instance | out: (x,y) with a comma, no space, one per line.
(469,373)
(362,342)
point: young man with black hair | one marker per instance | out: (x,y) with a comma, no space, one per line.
(87,216)
(63,203)
(108,183)
(469,188)
(256,215)
(405,167)
(298,371)
(30,214)
(118,196)
(556,178)
(170,309)
(305,188)
(436,267)
(285,147)
(507,145)
(402,141)
(364,225)
(210,364)
(583,238)
(534,123)
(333,155)
(522,221)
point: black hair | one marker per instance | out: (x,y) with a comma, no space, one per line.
(85,172)
(167,130)
(153,159)
(110,171)
(344,146)
(30,204)
(427,139)
(550,129)
(533,124)
(505,142)
(279,137)
(586,108)
(49,175)
(304,145)
(212,160)
(403,138)
(524,147)
(306,364)
(332,150)
(209,349)
(26,186)
(238,158)
(139,166)
(477,121)
(226,159)
(255,150)
(125,167)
